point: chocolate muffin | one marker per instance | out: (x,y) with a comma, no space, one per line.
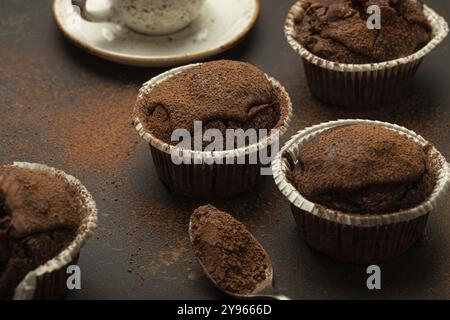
(39,217)
(364,169)
(337,30)
(222,94)
(220,115)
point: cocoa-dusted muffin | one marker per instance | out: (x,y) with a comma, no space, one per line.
(364,169)
(39,217)
(220,115)
(361,191)
(337,30)
(221,94)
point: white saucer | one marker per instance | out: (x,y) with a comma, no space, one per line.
(221,25)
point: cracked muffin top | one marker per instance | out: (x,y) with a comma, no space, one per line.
(364,169)
(39,217)
(222,94)
(336,30)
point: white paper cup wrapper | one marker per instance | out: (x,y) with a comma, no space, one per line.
(213,177)
(353,237)
(362,85)
(48,281)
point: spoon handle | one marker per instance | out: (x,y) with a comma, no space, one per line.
(271,293)
(270,297)
(282,297)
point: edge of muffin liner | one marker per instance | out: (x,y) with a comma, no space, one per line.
(438,24)
(45,280)
(206,156)
(288,157)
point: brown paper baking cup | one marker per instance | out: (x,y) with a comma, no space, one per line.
(48,281)
(209,178)
(353,237)
(362,85)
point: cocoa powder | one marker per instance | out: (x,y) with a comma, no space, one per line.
(228,251)
(222,94)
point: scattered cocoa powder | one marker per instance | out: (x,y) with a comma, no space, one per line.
(169,224)
(96,137)
(228,251)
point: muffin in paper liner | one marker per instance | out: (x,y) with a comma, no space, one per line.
(205,176)
(362,86)
(48,281)
(357,238)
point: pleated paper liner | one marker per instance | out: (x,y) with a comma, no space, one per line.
(212,177)
(357,238)
(48,281)
(362,86)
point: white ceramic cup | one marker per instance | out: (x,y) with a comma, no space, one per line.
(152,17)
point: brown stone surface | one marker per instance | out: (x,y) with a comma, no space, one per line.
(70,110)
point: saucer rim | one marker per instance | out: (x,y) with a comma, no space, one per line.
(157,61)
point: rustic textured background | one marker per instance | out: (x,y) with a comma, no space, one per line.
(65,108)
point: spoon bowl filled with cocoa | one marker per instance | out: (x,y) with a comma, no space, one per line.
(230,255)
